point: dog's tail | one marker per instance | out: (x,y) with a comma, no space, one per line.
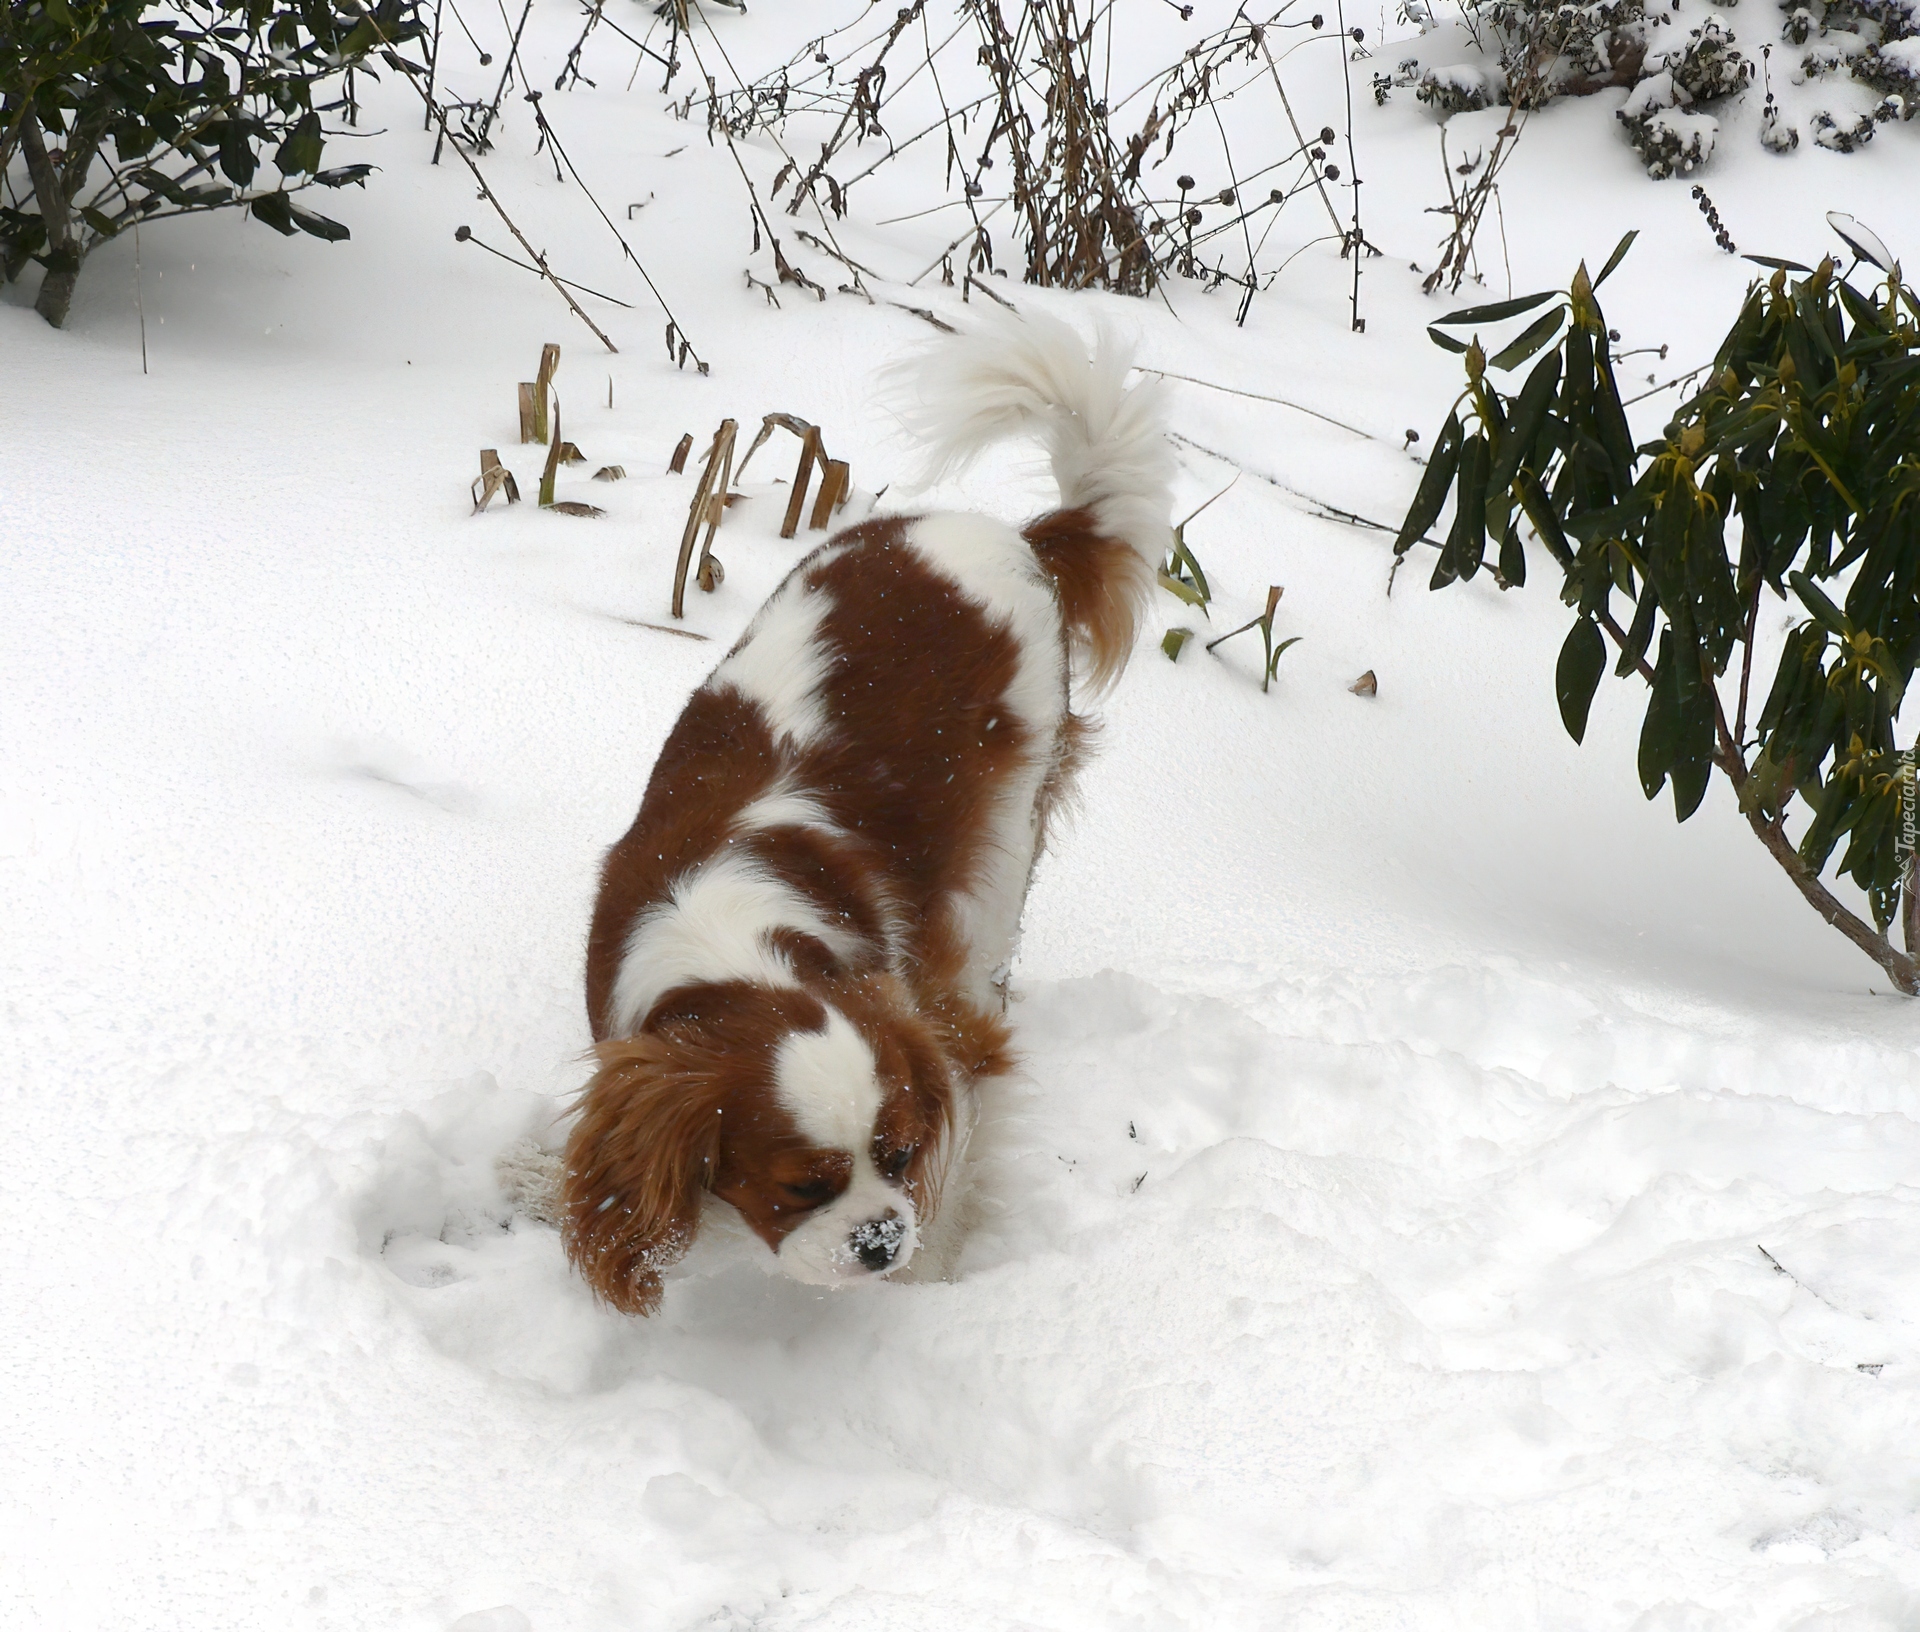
(1110,457)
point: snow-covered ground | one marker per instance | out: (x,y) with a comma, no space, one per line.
(1375,1240)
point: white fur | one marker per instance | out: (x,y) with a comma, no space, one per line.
(781,662)
(1033,373)
(785,806)
(827,1082)
(993,567)
(713,928)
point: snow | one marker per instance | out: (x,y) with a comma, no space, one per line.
(1374,1239)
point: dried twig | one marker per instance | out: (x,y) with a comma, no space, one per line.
(709,500)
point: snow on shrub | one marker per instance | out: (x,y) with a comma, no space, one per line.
(1667,138)
(1534,52)
(1462,87)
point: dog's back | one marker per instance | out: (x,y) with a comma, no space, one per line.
(864,781)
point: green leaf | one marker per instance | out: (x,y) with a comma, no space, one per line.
(1187,592)
(1536,335)
(1432,492)
(1693,764)
(1611,418)
(1467,539)
(1173,642)
(364,37)
(1779,265)
(1829,616)
(1619,254)
(1446,342)
(274,209)
(1583,658)
(1523,429)
(1768,788)
(347,173)
(299,154)
(1660,731)
(1186,563)
(1540,511)
(1639,632)
(1690,779)
(319,226)
(236,153)
(1513,557)
(1500,309)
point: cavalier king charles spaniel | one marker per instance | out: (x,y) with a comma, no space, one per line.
(798,962)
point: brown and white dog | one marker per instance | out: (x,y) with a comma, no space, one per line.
(798,960)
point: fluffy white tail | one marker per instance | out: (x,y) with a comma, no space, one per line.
(1012,375)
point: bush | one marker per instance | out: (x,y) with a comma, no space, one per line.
(1535,51)
(179,103)
(1808,431)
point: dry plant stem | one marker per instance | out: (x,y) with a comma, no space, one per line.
(1319,183)
(433,67)
(494,478)
(506,74)
(546,130)
(788,274)
(1468,206)
(810,455)
(991,294)
(553,458)
(520,238)
(1255,396)
(486,192)
(857,109)
(719,458)
(598,294)
(1321,508)
(924,315)
(1678,379)
(1356,242)
(833,493)
(972,232)
(663,629)
(542,385)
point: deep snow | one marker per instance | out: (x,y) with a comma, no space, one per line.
(1374,1240)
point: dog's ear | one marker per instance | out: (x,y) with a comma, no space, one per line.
(644,1147)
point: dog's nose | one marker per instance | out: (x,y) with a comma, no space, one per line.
(877,1242)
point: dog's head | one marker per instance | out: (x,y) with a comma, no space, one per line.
(827,1122)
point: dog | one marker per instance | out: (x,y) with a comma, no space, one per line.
(798,961)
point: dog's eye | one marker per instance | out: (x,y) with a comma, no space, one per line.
(810,1194)
(893,1163)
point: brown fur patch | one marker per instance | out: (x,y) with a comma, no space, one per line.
(920,740)
(718,759)
(1103,586)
